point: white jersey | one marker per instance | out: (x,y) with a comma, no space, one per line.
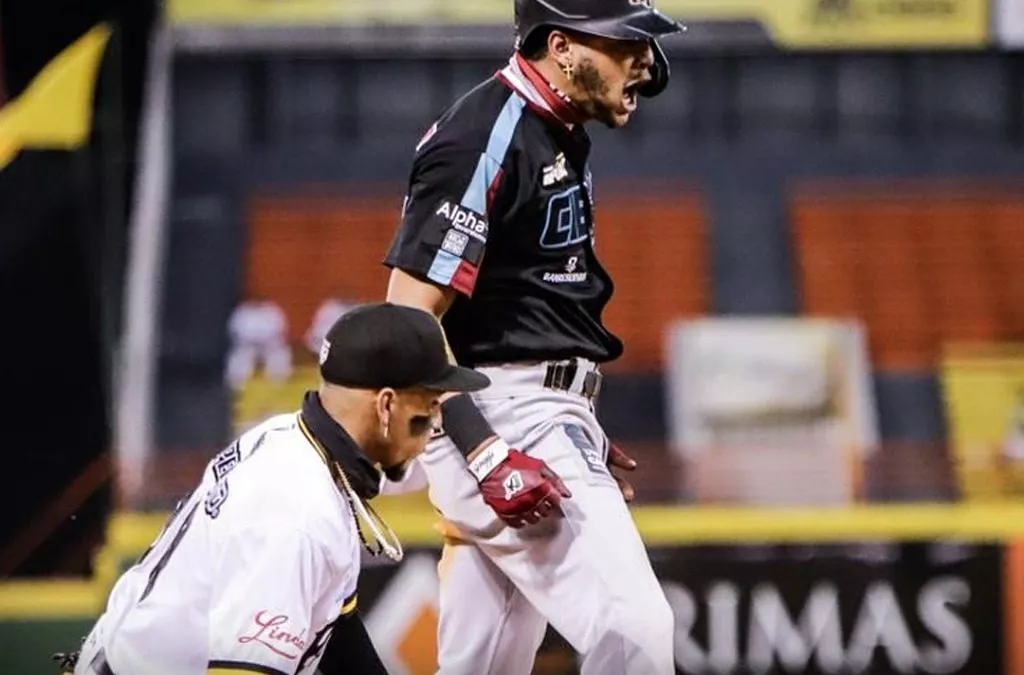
(249,574)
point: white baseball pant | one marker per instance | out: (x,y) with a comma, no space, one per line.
(586,571)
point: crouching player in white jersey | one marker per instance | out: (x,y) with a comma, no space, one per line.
(257,569)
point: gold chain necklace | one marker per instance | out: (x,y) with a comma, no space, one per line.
(360,508)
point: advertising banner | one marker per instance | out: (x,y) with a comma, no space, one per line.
(858,608)
(807,609)
(862,604)
(984,396)
(846,24)
(748,396)
(788,23)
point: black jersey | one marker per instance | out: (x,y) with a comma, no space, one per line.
(499,208)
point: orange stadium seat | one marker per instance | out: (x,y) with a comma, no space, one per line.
(1004,248)
(304,249)
(921,264)
(655,248)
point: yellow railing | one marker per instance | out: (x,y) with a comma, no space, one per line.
(414,521)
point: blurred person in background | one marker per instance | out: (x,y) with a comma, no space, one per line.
(496,240)
(258,330)
(326,314)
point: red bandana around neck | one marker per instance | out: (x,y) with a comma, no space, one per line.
(559,102)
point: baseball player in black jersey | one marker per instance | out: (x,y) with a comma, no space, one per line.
(497,240)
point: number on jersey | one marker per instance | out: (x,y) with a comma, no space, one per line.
(214,499)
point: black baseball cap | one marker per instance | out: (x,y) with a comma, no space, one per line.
(382,345)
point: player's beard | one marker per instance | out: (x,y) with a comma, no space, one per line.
(588,80)
(396,473)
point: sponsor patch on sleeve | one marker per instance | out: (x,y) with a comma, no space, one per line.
(463,219)
(455,242)
(460,240)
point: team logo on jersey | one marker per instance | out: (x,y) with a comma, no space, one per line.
(272,631)
(565,223)
(465,220)
(455,242)
(556,173)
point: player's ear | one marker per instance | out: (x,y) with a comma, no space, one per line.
(559,46)
(384,403)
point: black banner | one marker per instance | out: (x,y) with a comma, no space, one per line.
(878,609)
(808,609)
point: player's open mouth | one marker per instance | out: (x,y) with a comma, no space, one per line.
(629,96)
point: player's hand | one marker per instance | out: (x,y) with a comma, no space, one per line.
(521,489)
(617,459)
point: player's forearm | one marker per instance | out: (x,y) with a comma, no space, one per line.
(405,289)
(469,430)
(464,422)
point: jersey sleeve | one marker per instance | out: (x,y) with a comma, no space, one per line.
(268,583)
(445,224)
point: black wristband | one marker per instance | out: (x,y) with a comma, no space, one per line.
(464,423)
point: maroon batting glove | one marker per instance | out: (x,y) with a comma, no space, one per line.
(521,489)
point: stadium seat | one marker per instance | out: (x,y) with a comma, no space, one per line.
(921,264)
(655,246)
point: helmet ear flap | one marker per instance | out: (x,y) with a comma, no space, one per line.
(659,73)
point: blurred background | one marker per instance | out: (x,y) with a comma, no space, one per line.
(817,237)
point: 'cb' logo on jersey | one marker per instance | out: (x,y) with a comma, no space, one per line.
(565,223)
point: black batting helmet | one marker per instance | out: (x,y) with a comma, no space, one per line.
(615,19)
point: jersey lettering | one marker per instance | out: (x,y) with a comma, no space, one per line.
(565,223)
(464,220)
(167,525)
(223,464)
(166,556)
(274,632)
(571,275)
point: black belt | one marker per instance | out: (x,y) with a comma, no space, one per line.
(561,376)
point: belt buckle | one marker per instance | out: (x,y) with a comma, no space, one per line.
(560,376)
(592,384)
